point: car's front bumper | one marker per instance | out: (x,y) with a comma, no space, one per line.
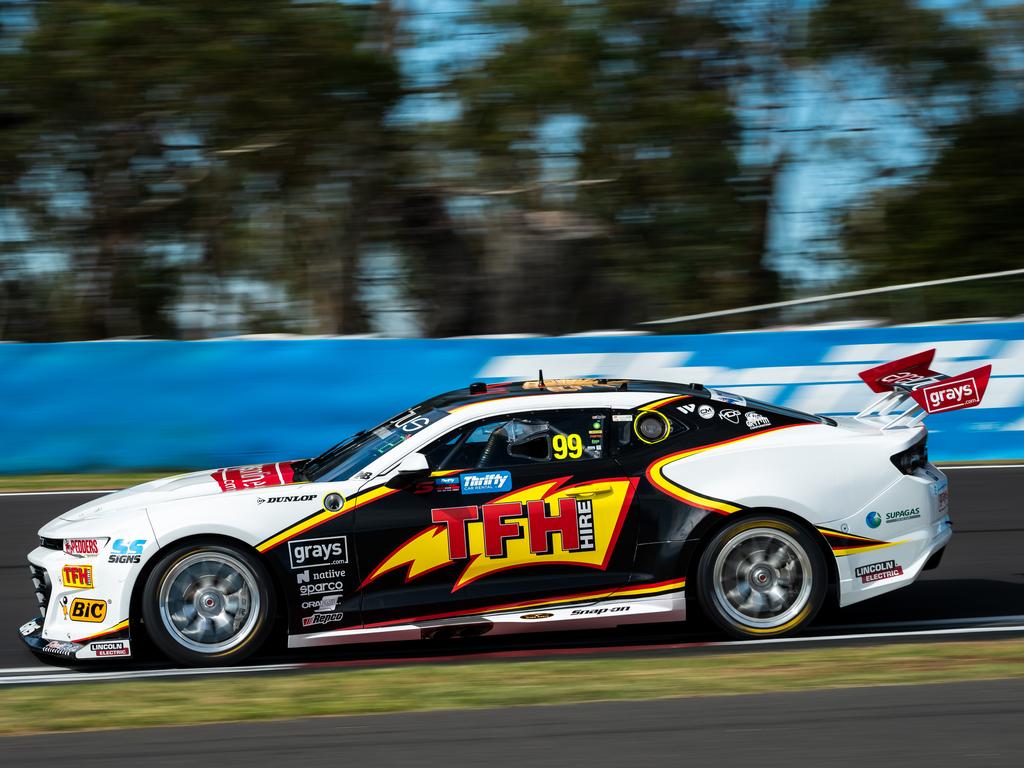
(56,634)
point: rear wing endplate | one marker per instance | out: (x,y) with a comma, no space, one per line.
(911,390)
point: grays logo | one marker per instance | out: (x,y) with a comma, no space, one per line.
(313,553)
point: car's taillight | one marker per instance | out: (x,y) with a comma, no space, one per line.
(914,457)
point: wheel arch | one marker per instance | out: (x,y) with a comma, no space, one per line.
(705,531)
(135,605)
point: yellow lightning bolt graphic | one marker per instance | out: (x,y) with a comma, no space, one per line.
(428,550)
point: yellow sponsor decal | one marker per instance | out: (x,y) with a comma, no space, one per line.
(86,609)
(77,576)
(544,524)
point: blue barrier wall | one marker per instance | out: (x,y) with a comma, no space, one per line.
(164,404)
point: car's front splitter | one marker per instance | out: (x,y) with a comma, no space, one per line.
(110,645)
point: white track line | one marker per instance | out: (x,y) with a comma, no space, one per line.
(873,635)
(72,676)
(979,466)
(56,493)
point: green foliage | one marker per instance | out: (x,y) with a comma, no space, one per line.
(187,168)
(189,127)
(962,218)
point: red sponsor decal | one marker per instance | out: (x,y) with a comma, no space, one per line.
(963,391)
(906,370)
(887,569)
(258,476)
(81,547)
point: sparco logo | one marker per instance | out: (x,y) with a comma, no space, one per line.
(318,589)
(886,569)
(311,553)
(284,499)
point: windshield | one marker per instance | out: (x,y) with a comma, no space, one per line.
(349,457)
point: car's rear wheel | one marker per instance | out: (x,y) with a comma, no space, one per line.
(208,603)
(762,577)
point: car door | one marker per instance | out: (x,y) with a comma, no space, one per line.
(519,509)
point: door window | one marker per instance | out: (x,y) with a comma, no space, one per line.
(522,439)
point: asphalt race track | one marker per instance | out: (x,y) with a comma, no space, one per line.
(980,579)
(959,724)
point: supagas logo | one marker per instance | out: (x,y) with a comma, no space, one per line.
(543,524)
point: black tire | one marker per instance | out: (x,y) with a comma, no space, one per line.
(761,577)
(208,603)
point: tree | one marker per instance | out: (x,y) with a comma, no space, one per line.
(962,218)
(155,141)
(598,145)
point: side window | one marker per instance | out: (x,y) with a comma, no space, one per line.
(527,438)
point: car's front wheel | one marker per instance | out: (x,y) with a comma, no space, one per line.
(208,603)
(762,577)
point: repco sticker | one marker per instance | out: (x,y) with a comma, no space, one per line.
(313,553)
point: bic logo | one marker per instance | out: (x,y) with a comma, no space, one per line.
(78,576)
(84,609)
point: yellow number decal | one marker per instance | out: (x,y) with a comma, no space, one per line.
(560,446)
(567,447)
(575,446)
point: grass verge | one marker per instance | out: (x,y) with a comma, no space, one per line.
(88,482)
(452,686)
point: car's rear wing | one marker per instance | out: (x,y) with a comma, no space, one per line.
(912,379)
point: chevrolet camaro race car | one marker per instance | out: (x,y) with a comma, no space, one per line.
(515,507)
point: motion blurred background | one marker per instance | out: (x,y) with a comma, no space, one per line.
(186,169)
(180,169)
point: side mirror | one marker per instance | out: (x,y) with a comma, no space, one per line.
(410,469)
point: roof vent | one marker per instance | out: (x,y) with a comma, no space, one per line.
(477,388)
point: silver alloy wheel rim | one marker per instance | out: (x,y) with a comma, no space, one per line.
(763,578)
(209,602)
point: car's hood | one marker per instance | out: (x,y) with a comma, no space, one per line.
(209,482)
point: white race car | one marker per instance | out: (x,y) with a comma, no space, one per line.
(515,507)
